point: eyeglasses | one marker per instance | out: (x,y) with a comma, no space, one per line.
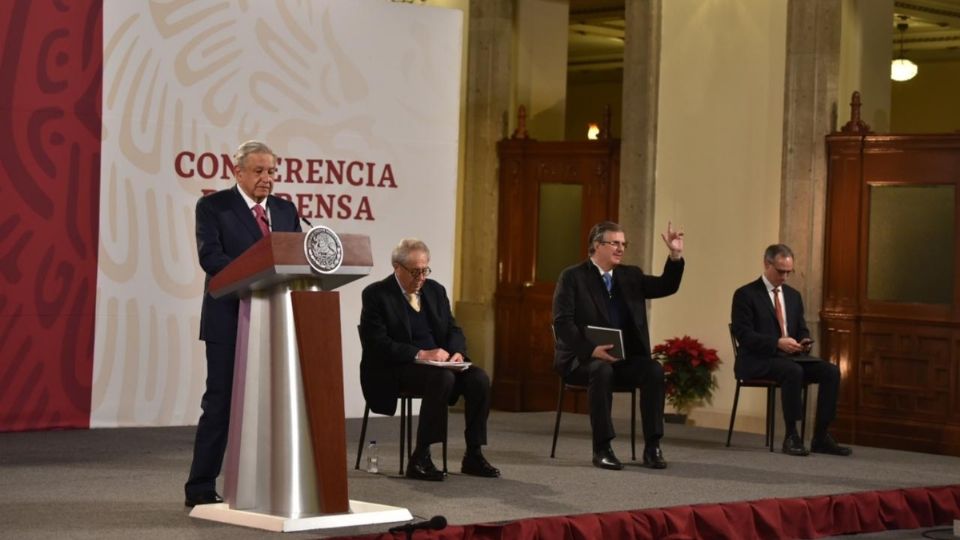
(416,273)
(615,243)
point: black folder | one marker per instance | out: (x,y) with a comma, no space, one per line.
(599,335)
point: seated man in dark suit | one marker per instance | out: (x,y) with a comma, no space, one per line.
(774,344)
(406,317)
(602,292)
(229,222)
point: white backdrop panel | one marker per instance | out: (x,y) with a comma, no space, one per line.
(367,82)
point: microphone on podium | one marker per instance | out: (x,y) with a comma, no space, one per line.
(307,221)
(435,523)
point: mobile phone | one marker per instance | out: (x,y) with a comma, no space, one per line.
(806,341)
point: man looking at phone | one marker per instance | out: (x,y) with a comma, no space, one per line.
(774,343)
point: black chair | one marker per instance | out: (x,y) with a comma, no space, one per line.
(771,387)
(406,428)
(406,431)
(619,389)
(579,388)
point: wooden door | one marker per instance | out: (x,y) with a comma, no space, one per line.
(551,193)
(891,291)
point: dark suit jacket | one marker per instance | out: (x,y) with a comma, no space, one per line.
(386,340)
(580,300)
(225,229)
(756,328)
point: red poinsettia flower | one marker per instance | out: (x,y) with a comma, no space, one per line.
(687,368)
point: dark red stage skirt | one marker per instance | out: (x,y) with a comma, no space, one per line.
(811,517)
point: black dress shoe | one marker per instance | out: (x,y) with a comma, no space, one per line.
(826,445)
(604,458)
(422,468)
(653,458)
(793,446)
(207,497)
(477,465)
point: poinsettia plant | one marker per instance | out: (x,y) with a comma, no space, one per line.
(688,368)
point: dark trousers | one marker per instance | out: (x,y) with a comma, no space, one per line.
(442,387)
(600,377)
(792,376)
(211,439)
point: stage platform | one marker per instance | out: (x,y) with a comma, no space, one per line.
(127,483)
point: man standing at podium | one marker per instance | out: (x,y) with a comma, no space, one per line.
(406,320)
(229,222)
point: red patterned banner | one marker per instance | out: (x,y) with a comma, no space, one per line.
(50,86)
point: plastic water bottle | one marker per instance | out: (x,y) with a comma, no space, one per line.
(373,458)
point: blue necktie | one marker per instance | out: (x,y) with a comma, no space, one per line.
(608,281)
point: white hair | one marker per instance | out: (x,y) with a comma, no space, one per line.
(250,147)
(402,252)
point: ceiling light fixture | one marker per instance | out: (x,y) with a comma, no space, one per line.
(902,69)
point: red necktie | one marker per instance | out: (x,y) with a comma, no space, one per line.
(261,218)
(779,309)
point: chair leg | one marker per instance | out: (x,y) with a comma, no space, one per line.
(409,428)
(633,425)
(772,414)
(556,425)
(733,413)
(363,436)
(803,415)
(403,431)
(445,426)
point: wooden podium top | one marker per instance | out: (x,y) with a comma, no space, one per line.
(279,258)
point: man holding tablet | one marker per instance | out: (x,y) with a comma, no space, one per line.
(601,292)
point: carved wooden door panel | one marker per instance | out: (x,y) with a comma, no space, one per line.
(891,290)
(551,193)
